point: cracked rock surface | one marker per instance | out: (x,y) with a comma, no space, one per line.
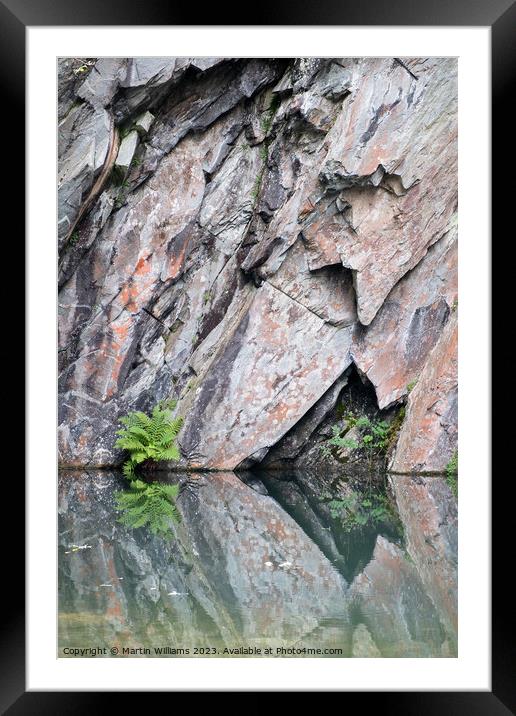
(279,222)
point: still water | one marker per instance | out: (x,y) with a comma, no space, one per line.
(260,565)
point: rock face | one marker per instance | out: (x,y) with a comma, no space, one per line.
(238,234)
(428,437)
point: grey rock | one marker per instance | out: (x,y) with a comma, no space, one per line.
(126,152)
(143,123)
(149,71)
(84,138)
(102,82)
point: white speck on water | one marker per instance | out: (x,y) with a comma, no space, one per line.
(77,547)
(269,564)
(285,564)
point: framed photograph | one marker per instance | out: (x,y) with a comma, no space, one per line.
(258,291)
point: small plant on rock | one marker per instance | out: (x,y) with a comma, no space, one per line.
(149,437)
(371,438)
(411,386)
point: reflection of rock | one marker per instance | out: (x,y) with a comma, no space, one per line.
(428,437)
(392,603)
(363,645)
(290,495)
(237,532)
(240,569)
(428,511)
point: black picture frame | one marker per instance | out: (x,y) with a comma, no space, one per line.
(500,15)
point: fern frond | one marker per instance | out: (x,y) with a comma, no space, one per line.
(141,433)
(171,431)
(130,443)
(139,485)
(128,469)
(138,457)
(170,453)
(171,491)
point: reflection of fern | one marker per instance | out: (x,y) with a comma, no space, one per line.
(149,505)
(363,509)
(149,437)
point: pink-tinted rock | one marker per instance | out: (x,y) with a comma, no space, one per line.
(328,293)
(392,352)
(394,172)
(279,361)
(428,437)
(142,248)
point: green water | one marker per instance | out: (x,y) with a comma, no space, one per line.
(258,566)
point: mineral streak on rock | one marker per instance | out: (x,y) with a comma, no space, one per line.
(278,221)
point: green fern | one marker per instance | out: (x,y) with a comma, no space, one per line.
(147,437)
(149,505)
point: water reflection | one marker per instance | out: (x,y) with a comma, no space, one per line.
(255,564)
